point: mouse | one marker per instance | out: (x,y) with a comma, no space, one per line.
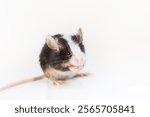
(62,57)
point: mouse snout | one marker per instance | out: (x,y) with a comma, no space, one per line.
(77,62)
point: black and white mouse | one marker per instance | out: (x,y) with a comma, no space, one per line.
(62,57)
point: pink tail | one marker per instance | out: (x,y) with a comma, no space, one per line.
(21,82)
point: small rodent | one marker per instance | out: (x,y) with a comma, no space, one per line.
(61,58)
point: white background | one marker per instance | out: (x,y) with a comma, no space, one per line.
(116,36)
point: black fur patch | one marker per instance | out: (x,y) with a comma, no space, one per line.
(57,36)
(53,58)
(76,39)
(82,47)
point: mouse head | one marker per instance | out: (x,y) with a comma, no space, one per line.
(69,49)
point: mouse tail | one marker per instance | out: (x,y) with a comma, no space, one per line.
(22,82)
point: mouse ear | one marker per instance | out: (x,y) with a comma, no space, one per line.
(80,35)
(52,43)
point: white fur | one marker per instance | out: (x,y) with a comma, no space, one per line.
(78,58)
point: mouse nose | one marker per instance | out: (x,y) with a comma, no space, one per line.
(77,62)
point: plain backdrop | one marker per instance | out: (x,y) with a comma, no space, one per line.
(116,37)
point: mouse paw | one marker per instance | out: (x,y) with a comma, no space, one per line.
(57,82)
(82,75)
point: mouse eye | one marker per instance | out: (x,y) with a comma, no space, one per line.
(68,53)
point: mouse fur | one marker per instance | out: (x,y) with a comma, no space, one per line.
(62,56)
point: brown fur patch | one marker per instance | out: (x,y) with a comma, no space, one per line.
(54,74)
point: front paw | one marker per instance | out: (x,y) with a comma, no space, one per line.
(57,82)
(82,75)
